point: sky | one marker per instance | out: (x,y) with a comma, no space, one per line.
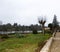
(26,12)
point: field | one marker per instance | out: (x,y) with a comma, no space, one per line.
(28,43)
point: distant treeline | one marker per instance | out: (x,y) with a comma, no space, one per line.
(16,27)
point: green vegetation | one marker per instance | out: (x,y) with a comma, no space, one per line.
(26,44)
(35,31)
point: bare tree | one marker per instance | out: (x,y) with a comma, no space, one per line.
(42,21)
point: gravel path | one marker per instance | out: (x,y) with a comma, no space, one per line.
(56,43)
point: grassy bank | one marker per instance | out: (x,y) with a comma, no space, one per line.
(25,44)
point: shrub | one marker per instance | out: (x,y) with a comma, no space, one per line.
(4,36)
(35,31)
(19,35)
(48,31)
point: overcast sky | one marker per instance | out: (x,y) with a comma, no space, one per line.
(26,12)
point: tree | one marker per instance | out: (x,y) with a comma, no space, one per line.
(23,28)
(31,27)
(50,26)
(9,27)
(35,31)
(15,26)
(4,28)
(42,21)
(55,23)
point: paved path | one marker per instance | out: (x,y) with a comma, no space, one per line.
(56,43)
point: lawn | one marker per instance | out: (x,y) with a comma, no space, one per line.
(25,44)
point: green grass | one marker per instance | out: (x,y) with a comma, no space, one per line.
(25,44)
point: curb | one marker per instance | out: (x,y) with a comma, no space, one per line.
(47,46)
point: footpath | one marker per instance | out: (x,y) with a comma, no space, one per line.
(55,47)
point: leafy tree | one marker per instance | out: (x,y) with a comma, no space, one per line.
(9,27)
(50,26)
(31,26)
(35,31)
(15,26)
(4,28)
(55,23)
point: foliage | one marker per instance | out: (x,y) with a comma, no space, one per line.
(16,27)
(19,35)
(5,36)
(48,31)
(55,23)
(50,26)
(35,31)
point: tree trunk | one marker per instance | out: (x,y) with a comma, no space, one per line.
(43,30)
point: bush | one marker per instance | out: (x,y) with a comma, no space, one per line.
(4,36)
(35,31)
(19,35)
(48,31)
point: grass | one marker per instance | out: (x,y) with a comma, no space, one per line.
(25,44)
